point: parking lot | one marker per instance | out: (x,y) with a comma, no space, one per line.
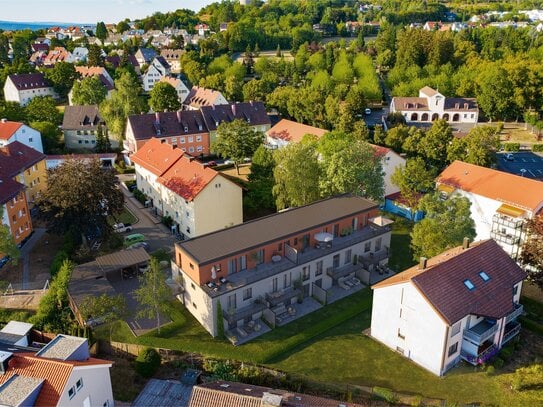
(523,163)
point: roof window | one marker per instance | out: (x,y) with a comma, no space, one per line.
(484,276)
(469,284)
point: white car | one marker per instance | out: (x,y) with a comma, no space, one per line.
(367,111)
(122,227)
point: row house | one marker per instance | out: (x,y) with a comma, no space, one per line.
(460,305)
(501,203)
(22,88)
(158,69)
(198,199)
(58,54)
(281,266)
(193,131)
(15,211)
(61,373)
(17,131)
(431,105)
(80,127)
(26,166)
(181,89)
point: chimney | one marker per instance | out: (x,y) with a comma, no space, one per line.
(457,106)
(422,263)
(157,117)
(466,106)
(465,243)
(271,400)
(178,113)
(234,109)
(4,120)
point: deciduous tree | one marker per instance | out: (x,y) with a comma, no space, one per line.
(101,31)
(51,137)
(260,194)
(7,244)
(43,109)
(62,77)
(163,97)
(89,91)
(105,308)
(532,251)
(478,147)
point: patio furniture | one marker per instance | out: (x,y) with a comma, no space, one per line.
(251,324)
(291,311)
(276,258)
(257,327)
(242,332)
(355,281)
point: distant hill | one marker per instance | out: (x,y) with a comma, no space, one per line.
(13,26)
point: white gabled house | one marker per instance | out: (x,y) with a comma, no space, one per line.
(16,131)
(157,70)
(501,203)
(22,88)
(180,87)
(461,304)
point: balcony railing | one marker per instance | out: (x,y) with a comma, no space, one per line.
(234,315)
(507,221)
(339,272)
(519,309)
(481,332)
(510,332)
(375,257)
(506,238)
(481,357)
(281,296)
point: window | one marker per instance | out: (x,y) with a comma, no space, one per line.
(182,140)
(71,392)
(79,384)
(191,266)
(247,293)
(232,301)
(367,247)
(260,256)
(280,247)
(30,140)
(515,290)
(191,139)
(348,256)
(400,335)
(191,149)
(469,284)
(286,280)
(192,286)
(274,284)
(335,261)
(199,149)
(306,273)
(456,328)
(484,276)
(295,241)
(198,138)
(378,242)
(242,263)
(453,349)
(318,271)
(194,305)
(232,266)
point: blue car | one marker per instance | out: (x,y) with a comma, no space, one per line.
(4,261)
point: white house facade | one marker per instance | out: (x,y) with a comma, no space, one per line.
(22,88)
(461,304)
(157,70)
(501,203)
(180,87)
(431,105)
(15,131)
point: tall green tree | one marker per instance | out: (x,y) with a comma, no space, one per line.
(105,308)
(445,225)
(237,140)
(101,31)
(7,244)
(297,175)
(124,101)
(80,195)
(260,188)
(478,147)
(51,137)
(12,111)
(163,97)
(43,109)
(62,77)
(88,91)
(4,49)
(413,179)
(153,294)
(94,57)
(532,251)
(435,142)
(103,144)
(21,48)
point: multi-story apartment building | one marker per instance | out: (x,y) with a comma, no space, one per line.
(26,166)
(158,69)
(15,212)
(24,87)
(197,198)
(280,266)
(501,203)
(461,304)
(17,131)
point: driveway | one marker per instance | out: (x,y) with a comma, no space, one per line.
(157,234)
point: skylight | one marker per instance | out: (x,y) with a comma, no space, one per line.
(469,284)
(484,276)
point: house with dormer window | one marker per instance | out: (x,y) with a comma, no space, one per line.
(158,69)
(431,105)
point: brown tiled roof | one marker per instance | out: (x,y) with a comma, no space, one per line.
(199,97)
(26,81)
(253,112)
(289,130)
(187,178)
(500,186)
(464,104)
(255,233)
(9,188)
(7,129)
(442,281)
(222,393)
(16,157)
(115,60)
(81,117)
(145,126)
(156,156)
(172,54)
(410,103)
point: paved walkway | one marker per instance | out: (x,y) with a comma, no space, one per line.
(25,255)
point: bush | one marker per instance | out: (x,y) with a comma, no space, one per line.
(140,196)
(491,369)
(511,146)
(531,325)
(498,363)
(147,362)
(56,264)
(385,394)
(506,353)
(167,220)
(537,147)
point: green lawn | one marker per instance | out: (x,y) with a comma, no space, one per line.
(401,255)
(124,217)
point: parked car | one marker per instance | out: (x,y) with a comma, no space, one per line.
(229,162)
(4,261)
(133,238)
(145,245)
(367,111)
(122,227)
(509,157)
(210,164)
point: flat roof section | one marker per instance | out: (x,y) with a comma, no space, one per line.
(61,347)
(17,389)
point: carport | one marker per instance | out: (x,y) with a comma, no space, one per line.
(89,279)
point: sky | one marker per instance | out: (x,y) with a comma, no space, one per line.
(89,11)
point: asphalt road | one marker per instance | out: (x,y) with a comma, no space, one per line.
(524,163)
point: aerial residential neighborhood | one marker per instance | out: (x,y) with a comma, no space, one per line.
(275,203)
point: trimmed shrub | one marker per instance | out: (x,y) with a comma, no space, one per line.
(140,196)
(511,146)
(385,394)
(537,147)
(56,264)
(491,369)
(498,363)
(147,362)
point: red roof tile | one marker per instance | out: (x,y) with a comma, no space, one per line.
(16,157)
(442,281)
(500,186)
(187,178)
(9,188)
(156,156)
(289,130)
(7,129)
